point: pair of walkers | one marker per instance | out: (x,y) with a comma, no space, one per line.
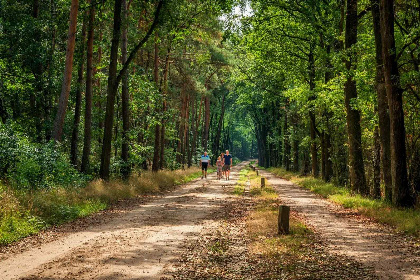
(223,163)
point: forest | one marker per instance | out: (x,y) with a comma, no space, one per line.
(95,89)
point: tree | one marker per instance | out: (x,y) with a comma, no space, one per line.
(401,194)
(65,89)
(357,170)
(383,115)
(114,80)
(89,93)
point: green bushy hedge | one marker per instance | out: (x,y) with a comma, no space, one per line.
(30,166)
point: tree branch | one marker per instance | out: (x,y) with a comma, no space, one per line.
(140,44)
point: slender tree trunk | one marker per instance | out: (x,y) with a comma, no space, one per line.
(164,109)
(375,191)
(314,150)
(286,149)
(196,128)
(206,122)
(327,165)
(357,168)
(384,122)
(191,122)
(111,92)
(77,109)
(89,93)
(401,194)
(65,89)
(125,98)
(156,152)
(216,144)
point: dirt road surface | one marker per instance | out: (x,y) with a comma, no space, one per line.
(136,244)
(393,256)
(145,240)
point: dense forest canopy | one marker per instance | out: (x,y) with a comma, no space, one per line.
(104,89)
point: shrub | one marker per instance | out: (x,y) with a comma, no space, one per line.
(31,166)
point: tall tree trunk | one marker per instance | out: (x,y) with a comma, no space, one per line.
(295,152)
(216,144)
(286,139)
(206,122)
(357,168)
(314,150)
(401,194)
(327,169)
(88,95)
(196,128)
(111,92)
(164,108)
(35,97)
(77,109)
(384,122)
(65,89)
(156,151)
(125,98)
(191,122)
(375,190)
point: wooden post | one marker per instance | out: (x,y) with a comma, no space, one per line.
(284,212)
(257,172)
(262,182)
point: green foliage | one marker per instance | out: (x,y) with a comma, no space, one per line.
(17,226)
(32,166)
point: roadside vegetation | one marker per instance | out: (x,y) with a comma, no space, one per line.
(25,212)
(404,220)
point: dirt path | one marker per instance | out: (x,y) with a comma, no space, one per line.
(145,240)
(392,256)
(140,243)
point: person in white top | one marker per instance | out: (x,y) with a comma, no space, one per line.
(204,162)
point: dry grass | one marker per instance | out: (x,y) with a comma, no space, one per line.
(23,213)
(139,184)
(405,220)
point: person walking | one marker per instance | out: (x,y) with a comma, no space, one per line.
(228,163)
(222,155)
(219,164)
(204,162)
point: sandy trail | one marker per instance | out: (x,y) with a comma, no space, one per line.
(146,240)
(393,256)
(138,244)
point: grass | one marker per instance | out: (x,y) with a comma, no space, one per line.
(250,179)
(23,213)
(404,220)
(278,250)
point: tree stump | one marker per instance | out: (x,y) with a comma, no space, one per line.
(284,213)
(262,182)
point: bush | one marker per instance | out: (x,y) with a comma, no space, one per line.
(31,166)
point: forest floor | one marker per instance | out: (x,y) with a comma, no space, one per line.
(199,231)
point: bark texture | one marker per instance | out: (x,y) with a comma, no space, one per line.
(384,122)
(111,93)
(357,168)
(89,93)
(65,89)
(401,194)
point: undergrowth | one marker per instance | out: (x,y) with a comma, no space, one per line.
(24,212)
(405,220)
